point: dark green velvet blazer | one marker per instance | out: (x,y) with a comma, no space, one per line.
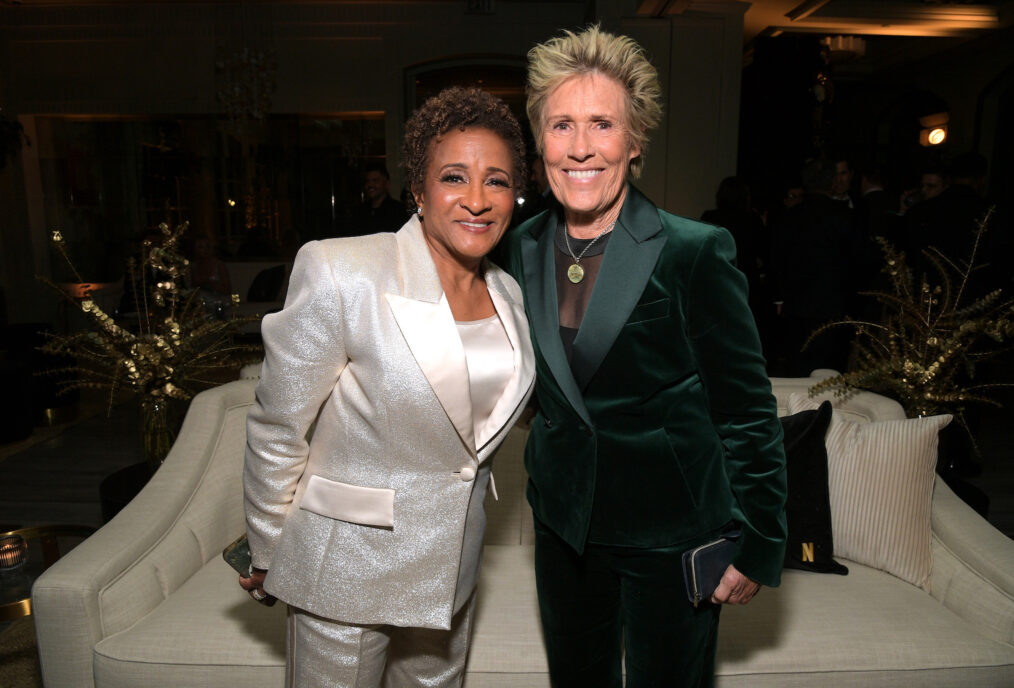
(665,428)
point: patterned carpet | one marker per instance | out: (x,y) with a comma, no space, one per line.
(19,662)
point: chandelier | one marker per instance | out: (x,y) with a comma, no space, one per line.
(246,82)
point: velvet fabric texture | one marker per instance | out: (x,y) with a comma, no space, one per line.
(662,426)
(588,602)
(810,545)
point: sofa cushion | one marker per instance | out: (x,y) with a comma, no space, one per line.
(881,477)
(886,632)
(810,544)
(207,633)
(863,629)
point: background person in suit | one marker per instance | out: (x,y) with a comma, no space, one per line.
(841,187)
(948,221)
(411,353)
(656,427)
(378,212)
(813,251)
(734,211)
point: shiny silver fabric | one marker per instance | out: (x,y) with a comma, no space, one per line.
(326,654)
(367,347)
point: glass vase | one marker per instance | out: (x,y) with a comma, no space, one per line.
(159,430)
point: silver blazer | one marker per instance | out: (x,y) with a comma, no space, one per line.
(363,523)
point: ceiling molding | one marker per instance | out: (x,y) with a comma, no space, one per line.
(876,17)
(805,9)
(660,8)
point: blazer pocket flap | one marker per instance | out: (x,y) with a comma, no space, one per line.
(652,310)
(368,506)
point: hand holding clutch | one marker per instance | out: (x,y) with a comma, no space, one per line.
(734,588)
(705,565)
(254,584)
(709,574)
(238,557)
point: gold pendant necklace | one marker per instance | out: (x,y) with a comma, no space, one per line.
(575,273)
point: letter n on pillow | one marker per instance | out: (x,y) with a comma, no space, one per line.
(810,544)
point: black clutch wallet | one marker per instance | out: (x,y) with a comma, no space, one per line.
(237,555)
(704,566)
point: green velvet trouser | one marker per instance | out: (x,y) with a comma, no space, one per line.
(610,600)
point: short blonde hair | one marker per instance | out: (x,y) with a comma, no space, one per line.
(595,51)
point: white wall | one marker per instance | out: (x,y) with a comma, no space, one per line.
(699,57)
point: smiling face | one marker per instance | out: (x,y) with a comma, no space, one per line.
(375,187)
(467,196)
(587,149)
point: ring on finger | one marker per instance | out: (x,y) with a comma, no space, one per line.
(258,595)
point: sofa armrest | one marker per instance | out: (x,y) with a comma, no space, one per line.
(973,566)
(69,599)
(184,516)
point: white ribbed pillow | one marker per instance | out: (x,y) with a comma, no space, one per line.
(880,483)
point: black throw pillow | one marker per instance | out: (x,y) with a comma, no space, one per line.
(808,509)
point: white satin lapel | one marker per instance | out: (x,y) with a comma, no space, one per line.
(432,336)
(512,315)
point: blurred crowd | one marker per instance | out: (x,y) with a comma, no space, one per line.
(810,252)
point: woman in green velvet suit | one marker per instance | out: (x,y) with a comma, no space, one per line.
(656,427)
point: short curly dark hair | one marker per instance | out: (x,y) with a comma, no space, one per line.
(460,108)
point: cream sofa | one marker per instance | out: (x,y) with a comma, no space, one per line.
(148,601)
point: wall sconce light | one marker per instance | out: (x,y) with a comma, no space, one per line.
(934,129)
(936,136)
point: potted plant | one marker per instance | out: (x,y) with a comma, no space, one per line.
(172,353)
(932,336)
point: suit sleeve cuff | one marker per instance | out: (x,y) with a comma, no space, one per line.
(760,558)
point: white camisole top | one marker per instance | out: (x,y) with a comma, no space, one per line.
(490,360)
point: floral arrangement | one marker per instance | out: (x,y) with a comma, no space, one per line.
(176,347)
(924,351)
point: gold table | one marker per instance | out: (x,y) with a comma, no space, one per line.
(24,554)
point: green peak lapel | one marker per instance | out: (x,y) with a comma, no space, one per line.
(639,216)
(539,268)
(627,265)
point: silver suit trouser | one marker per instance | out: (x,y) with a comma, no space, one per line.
(323,653)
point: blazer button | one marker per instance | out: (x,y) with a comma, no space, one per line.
(549,423)
(467,474)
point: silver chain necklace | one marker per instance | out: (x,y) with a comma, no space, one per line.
(575,273)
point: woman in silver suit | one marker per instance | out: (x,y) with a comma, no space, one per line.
(410,352)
